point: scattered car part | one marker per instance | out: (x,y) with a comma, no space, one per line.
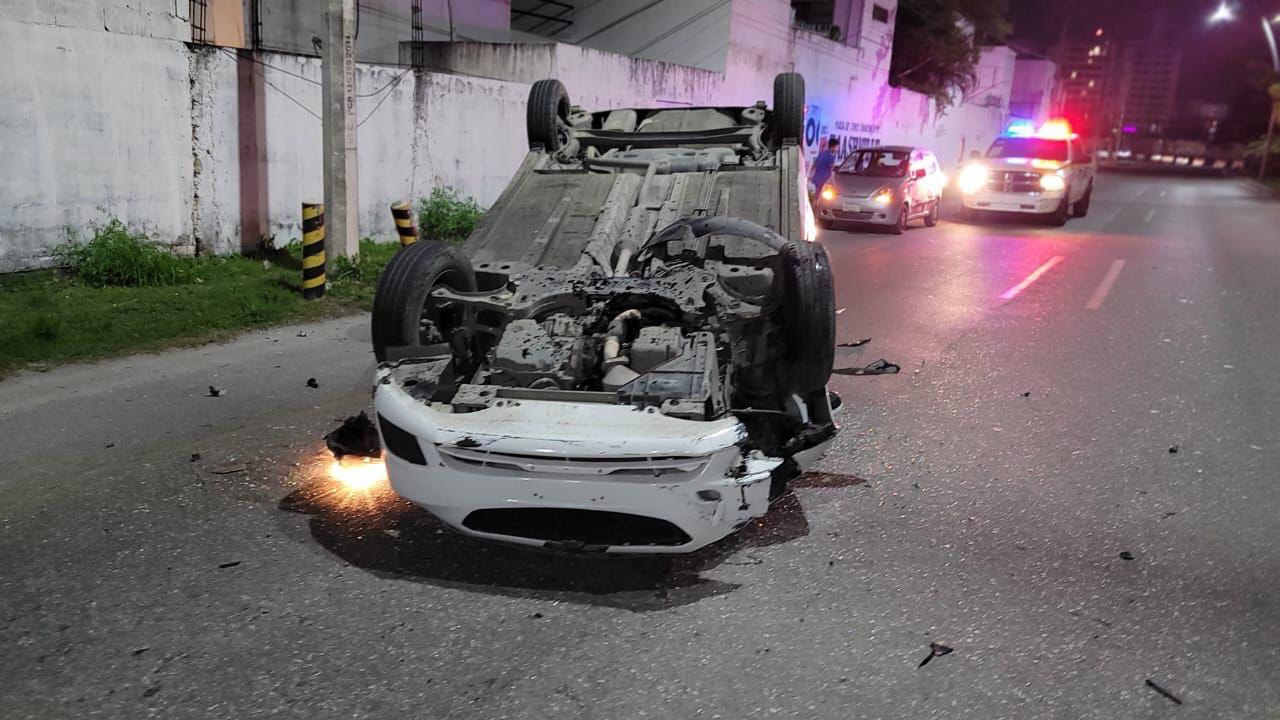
(355,436)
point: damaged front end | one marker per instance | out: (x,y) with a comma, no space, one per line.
(629,374)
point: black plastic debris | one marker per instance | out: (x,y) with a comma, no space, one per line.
(355,436)
(879,367)
(1126,555)
(854,344)
(1026,394)
(231,564)
(216,391)
(468,442)
(935,650)
(1172,698)
(1173,449)
(195,457)
(228,468)
(311,383)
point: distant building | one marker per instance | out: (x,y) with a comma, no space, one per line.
(1149,83)
(1109,87)
(1089,81)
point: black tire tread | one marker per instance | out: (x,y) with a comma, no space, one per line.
(810,317)
(403,286)
(788,108)
(542,117)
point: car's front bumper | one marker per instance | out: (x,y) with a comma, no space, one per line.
(591,461)
(1037,203)
(859,210)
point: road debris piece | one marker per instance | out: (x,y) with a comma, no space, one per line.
(1173,449)
(228,468)
(216,391)
(935,650)
(355,436)
(1126,555)
(879,367)
(1026,394)
(231,564)
(1173,698)
(195,457)
(311,383)
(854,344)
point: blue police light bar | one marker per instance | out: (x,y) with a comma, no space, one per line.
(1021,128)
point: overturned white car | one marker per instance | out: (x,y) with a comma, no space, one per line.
(630,353)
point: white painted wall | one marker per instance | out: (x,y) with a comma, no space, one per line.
(93,125)
(155,141)
(1033,88)
(289,25)
(690,32)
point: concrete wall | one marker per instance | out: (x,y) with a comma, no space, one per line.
(167,140)
(1033,89)
(417,133)
(289,25)
(691,32)
(80,145)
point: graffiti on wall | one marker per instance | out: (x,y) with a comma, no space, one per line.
(851,135)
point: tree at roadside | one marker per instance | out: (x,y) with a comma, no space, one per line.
(937,44)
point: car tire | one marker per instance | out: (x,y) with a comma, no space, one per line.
(1081,208)
(400,301)
(931,219)
(547,115)
(787,122)
(1060,216)
(904,217)
(808,317)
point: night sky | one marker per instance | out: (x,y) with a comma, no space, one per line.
(1219,61)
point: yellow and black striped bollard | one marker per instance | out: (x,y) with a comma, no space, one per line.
(313,280)
(402,212)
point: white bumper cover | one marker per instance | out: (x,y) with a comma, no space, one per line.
(1040,203)
(578,456)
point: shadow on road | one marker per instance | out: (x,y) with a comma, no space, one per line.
(391,537)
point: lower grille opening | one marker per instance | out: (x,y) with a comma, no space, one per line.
(401,442)
(585,527)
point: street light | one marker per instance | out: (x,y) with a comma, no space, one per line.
(1226,13)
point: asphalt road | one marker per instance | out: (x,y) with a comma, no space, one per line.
(987,498)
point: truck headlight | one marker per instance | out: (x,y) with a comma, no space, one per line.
(1052,183)
(973,178)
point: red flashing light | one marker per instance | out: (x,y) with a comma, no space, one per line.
(1057,129)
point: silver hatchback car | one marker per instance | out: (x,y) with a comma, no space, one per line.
(888,186)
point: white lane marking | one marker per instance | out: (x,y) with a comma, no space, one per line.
(1100,295)
(1012,292)
(1150,214)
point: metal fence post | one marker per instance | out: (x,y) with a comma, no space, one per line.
(313,280)
(402,212)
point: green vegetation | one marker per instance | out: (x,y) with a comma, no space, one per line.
(119,293)
(934,55)
(447,217)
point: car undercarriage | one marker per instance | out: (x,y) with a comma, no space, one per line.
(630,354)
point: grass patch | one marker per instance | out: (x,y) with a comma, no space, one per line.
(445,216)
(118,300)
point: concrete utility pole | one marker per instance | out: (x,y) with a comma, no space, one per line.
(341,186)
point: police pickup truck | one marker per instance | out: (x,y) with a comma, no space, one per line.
(1044,172)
